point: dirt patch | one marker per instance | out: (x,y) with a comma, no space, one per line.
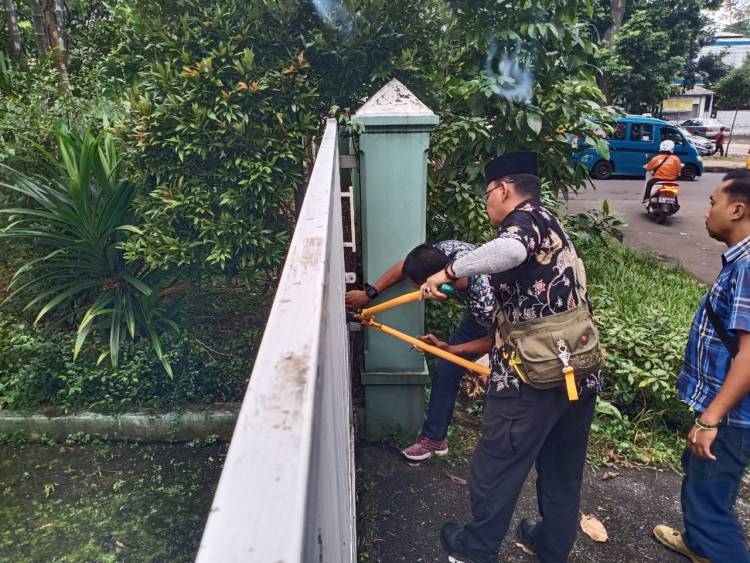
(403,507)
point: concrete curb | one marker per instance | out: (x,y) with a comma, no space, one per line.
(722,168)
(142,426)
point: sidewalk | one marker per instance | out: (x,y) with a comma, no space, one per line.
(403,507)
(718,164)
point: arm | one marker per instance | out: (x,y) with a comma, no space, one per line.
(473,348)
(391,277)
(498,255)
(469,349)
(356,299)
(650,165)
(736,387)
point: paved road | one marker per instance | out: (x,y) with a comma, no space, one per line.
(683,240)
(402,509)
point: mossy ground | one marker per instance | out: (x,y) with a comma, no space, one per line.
(105,502)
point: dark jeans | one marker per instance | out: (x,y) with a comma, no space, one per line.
(445,381)
(709,490)
(541,427)
(720,148)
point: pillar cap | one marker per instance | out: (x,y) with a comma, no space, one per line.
(395,104)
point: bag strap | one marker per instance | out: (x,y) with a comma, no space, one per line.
(661,164)
(729,342)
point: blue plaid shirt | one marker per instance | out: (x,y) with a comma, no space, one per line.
(707,360)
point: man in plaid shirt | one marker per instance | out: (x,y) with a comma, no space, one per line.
(715,382)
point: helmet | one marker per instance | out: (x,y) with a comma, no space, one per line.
(666,146)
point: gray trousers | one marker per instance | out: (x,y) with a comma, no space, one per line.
(536,427)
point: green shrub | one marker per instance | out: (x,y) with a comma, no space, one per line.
(36,369)
(222,111)
(32,108)
(644,309)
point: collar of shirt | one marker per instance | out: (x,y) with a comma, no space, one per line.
(737,251)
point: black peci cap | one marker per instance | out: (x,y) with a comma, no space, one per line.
(524,162)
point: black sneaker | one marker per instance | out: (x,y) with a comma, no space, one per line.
(451,538)
(525,533)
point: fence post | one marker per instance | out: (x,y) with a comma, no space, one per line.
(392,181)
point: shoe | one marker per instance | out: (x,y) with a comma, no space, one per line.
(424,447)
(673,540)
(525,532)
(451,538)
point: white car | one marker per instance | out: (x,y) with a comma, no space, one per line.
(704,126)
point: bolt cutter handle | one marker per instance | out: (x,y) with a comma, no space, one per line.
(446,288)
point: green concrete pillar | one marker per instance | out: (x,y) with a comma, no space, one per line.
(392,182)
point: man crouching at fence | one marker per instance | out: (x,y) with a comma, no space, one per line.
(470,340)
(545,363)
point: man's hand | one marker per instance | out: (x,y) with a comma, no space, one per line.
(431,288)
(699,442)
(356,299)
(435,341)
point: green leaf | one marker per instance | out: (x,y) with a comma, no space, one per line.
(535,122)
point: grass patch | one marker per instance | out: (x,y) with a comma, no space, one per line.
(643,309)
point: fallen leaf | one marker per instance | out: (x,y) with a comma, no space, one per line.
(525,549)
(457,480)
(610,475)
(119,544)
(593,528)
(42,527)
(645,458)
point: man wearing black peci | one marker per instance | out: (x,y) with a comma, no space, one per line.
(540,287)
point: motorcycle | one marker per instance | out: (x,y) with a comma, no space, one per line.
(663,201)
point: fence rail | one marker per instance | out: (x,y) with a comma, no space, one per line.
(286,493)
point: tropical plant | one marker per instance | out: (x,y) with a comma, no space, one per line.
(79,218)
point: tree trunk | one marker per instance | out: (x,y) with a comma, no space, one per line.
(56,43)
(16,46)
(618,16)
(40,30)
(62,25)
(731,130)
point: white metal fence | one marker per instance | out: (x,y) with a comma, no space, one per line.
(286,493)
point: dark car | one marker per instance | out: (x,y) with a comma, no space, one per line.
(703,126)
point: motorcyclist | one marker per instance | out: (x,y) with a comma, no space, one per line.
(665,166)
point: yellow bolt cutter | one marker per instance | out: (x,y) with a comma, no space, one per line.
(367,318)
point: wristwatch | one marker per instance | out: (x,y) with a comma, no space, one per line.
(371,292)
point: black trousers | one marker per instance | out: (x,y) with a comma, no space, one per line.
(541,427)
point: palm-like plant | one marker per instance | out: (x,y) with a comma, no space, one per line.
(81,214)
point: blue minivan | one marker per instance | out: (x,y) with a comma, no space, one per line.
(633,143)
